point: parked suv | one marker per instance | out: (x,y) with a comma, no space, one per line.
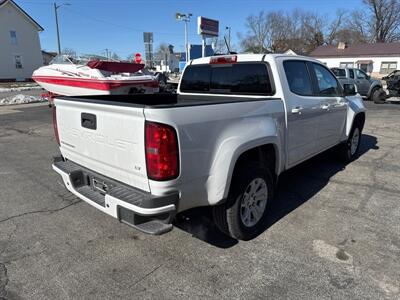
(366,86)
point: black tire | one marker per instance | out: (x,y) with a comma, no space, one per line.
(227,216)
(346,153)
(372,93)
(378,96)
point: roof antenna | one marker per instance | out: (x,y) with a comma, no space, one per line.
(227,46)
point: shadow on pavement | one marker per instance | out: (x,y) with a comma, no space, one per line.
(296,186)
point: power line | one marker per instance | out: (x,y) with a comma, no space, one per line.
(122,26)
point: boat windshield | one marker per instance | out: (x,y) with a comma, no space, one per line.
(63,59)
(75,60)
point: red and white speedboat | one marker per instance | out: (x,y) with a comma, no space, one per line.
(74,77)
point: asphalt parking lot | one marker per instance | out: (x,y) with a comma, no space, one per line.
(333,232)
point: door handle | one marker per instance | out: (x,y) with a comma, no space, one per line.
(88,121)
(297,110)
(325,107)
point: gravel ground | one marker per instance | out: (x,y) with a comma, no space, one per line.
(333,230)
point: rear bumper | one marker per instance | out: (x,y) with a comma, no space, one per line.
(142,210)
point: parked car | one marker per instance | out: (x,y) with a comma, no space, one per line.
(236,123)
(366,85)
(393,83)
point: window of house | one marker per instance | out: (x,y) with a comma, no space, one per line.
(298,77)
(13,37)
(346,65)
(365,67)
(18,61)
(327,84)
(387,67)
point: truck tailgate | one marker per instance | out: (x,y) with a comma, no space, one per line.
(108,139)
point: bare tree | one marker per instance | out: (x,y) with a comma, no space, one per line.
(311,28)
(258,36)
(385,23)
(69,51)
(115,57)
(219,46)
(162,52)
(335,27)
(303,31)
(300,31)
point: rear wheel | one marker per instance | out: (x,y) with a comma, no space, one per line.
(243,213)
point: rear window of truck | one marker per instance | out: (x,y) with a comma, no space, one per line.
(339,72)
(240,78)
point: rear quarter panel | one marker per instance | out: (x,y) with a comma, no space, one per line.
(355,106)
(211,138)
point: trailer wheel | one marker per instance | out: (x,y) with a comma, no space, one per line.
(242,215)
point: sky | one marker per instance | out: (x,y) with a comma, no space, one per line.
(91,26)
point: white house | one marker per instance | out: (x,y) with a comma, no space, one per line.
(20,52)
(377,59)
(172,64)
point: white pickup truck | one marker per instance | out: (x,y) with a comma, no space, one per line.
(236,123)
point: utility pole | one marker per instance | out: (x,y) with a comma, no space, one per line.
(185,18)
(56,7)
(166,61)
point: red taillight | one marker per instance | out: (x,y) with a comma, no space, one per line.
(55,125)
(161,151)
(226,59)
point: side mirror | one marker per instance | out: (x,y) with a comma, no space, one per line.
(349,89)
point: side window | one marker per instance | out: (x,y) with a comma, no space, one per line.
(360,74)
(196,79)
(298,77)
(351,73)
(327,83)
(339,72)
(251,79)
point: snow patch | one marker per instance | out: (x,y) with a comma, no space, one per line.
(20,99)
(21,88)
(332,253)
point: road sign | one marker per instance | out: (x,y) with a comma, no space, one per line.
(207,27)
